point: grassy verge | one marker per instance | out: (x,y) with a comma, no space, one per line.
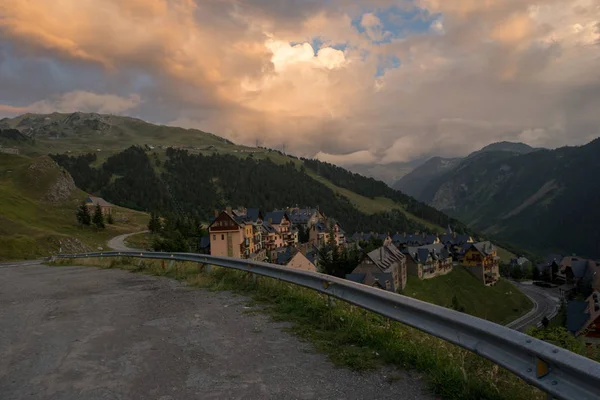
(501,303)
(141,241)
(350,336)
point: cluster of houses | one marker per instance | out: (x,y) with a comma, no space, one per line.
(425,256)
(274,237)
(578,276)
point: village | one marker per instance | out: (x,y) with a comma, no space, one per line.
(293,237)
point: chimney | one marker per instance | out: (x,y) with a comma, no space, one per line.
(228,210)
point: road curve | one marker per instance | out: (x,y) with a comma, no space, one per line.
(87,333)
(118,242)
(546,304)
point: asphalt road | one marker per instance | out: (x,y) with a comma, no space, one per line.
(546,303)
(85,333)
(118,242)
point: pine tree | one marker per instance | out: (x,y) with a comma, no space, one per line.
(110,219)
(98,218)
(83,215)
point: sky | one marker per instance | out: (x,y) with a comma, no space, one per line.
(351,82)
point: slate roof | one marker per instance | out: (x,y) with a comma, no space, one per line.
(302,215)
(98,201)
(454,240)
(358,278)
(421,254)
(383,277)
(484,248)
(268,227)
(285,256)
(275,216)
(253,214)
(205,242)
(385,256)
(576,315)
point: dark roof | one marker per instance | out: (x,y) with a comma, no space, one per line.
(302,215)
(98,201)
(205,242)
(268,227)
(359,278)
(423,255)
(576,315)
(275,216)
(579,268)
(253,214)
(454,239)
(385,256)
(285,256)
(484,248)
(383,277)
(383,236)
(311,255)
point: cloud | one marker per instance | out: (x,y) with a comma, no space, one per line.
(78,101)
(371,81)
(358,157)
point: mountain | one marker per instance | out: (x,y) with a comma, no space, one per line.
(542,201)
(388,173)
(85,132)
(38,200)
(415,181)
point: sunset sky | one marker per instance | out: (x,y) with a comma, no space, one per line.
(360,81)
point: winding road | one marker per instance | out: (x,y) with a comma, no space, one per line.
(107,334)
(118,242)
(545,304)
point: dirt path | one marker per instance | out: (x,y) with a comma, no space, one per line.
(86,333)
(118,242)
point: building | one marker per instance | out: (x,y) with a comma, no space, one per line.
(320,232)
(293,258)
(481,260)
(583,318)
(305,217)
(550,266)
(456,243)
(580,272)
(384,260)
(91,202)
(228,236)
(280,221)
(402,240)
(427,262)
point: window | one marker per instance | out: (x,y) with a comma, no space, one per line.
(214,237)
(222,237)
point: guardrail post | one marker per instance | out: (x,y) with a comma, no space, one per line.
(170,265)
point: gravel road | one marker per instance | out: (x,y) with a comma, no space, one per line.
(118,242)
(85,333)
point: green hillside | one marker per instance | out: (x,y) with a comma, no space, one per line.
(38,200)
(501,303)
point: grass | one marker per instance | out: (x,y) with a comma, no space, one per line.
(501,303)
(351,337)
(505,255)
(375,205)
(32,227)
(141,241)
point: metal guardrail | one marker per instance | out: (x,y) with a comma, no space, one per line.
(558,372)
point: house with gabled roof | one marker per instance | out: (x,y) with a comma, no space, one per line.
(386,259)
(580,272)
(305,217)
(481,259)
(280,221)
(402,240)
(92,202)
(228,235)
(429,261)
(294,258)
(319,233)
(583,318)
